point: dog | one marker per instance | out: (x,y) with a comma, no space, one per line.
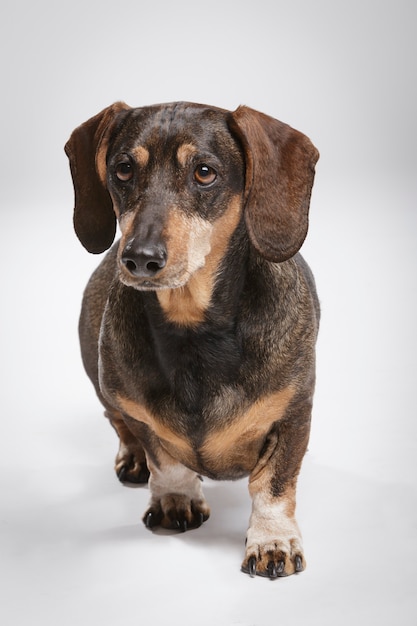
(198,328)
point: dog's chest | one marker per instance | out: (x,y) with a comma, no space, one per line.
(196,389)
(194,367)
(231,447)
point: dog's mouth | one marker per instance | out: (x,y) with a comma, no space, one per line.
(146,285)
(154,283)
(169,276)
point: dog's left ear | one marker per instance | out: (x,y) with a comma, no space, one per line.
(94,217)
(279,177)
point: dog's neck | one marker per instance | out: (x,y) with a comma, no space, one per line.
(188,306)
(211,346)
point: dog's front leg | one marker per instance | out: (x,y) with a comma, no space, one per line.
(273,541)
(177,499)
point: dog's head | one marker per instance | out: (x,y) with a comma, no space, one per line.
(179,177)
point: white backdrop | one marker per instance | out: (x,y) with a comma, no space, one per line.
(73,549)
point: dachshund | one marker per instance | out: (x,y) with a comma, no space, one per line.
(198,328)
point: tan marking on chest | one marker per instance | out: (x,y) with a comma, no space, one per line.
(239,441)
(236,446)
(186,306)
(141,414)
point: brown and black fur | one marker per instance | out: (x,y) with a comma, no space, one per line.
(198,328)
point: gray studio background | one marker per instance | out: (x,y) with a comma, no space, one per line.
(72,547)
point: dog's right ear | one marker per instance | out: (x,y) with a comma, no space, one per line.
(94,217)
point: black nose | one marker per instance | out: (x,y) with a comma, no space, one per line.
(144,261)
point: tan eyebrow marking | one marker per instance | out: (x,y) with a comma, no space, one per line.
(141,155)
(184,152)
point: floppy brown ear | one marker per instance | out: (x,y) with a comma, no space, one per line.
(94,218)
(279,177)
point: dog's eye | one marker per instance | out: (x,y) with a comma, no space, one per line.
(204,174)
(124,172)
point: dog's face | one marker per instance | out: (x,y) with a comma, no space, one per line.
(176,177)
(180,178)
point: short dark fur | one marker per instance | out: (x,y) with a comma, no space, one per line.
(192,376)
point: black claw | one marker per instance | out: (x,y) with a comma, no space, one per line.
(183,526)
(272,570)
(121,474)
(252,567)
(126,474)
(149,520)
(144,474)
(298,564)
(280,567)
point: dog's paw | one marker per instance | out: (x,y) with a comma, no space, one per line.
(274,557)
(177,512)
(130,466)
